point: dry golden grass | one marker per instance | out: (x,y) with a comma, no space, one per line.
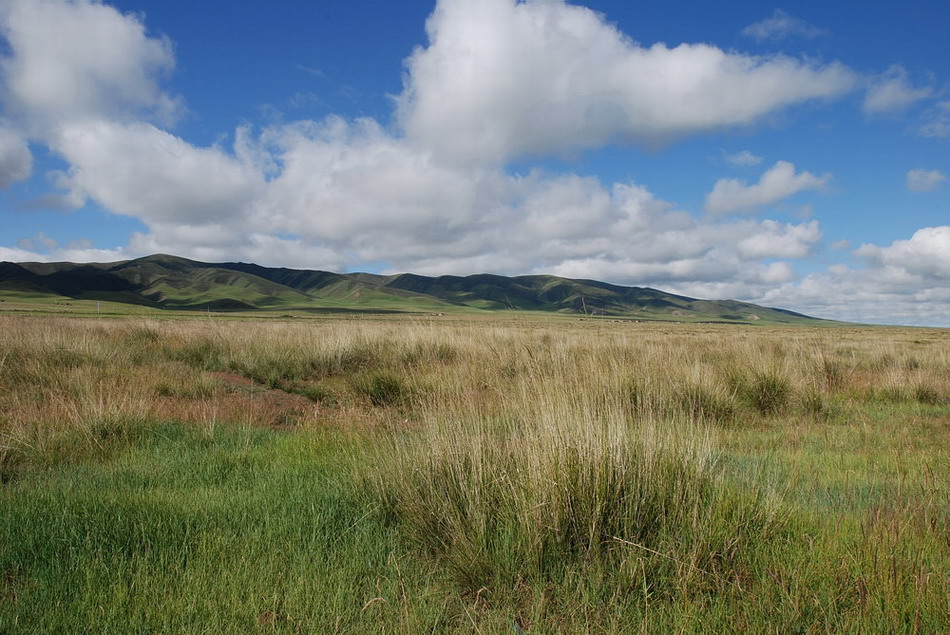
(60,373)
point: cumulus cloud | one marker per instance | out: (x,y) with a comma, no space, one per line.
(777,184)
(864,295)
(775,240)
(82,78)
(355,185)
(924,180)
(742,159)
(925,254)
(502,79)
(906,282)
(695,257)
(350,193)
(135,169)
(74,59)
(780,26)
(65,198)
(892,92)
(16,160)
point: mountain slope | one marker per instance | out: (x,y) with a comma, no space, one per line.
(172,282)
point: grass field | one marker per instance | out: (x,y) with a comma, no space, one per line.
(471,475)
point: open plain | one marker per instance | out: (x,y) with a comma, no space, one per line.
(439,474)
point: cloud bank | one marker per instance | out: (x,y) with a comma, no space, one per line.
(905,282)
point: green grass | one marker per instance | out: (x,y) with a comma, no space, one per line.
(249,529)
(193,532)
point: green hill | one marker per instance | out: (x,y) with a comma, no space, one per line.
(171,282)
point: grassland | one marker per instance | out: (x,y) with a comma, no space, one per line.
(471,475)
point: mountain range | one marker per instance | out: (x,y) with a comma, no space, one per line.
(171,282)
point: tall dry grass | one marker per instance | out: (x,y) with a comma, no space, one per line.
(58,374)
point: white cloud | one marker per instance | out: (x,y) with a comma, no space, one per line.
(138,170)
(742,159)
(863,295)
(39,241)
(353,184)
(42,248)
(16,160)
(925,254)
(893,92)
(19,254)
(343,193)
(924,180)
(907,282)
(775,240)
(938,124)
(780,26)
(503,79)
(777,184)
(67,198)
(74,59)
(350,193)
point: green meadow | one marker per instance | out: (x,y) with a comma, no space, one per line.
(469,473)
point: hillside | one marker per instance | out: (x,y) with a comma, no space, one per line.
(171,282)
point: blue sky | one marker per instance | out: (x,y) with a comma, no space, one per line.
(795,155)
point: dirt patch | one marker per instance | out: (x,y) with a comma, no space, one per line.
(252,403)
(235,380)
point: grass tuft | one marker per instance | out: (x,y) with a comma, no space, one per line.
(384,389)
(496,502)
(768,392)
(707,404)
(929,395)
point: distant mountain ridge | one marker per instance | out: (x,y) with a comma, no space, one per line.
(172,282)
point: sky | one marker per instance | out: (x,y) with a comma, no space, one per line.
(795,155)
